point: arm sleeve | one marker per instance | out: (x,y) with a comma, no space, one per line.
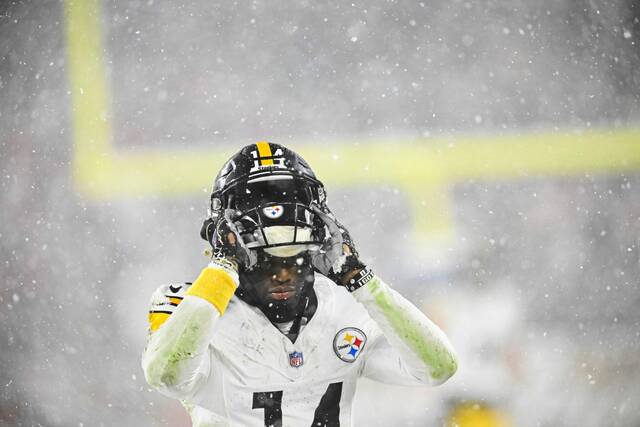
(412,350)
(177,360)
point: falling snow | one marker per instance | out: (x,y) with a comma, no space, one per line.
(533,273)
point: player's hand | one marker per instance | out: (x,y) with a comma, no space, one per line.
(337,258)
(225,238)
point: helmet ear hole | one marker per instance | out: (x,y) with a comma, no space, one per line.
(215,208)
(216,204)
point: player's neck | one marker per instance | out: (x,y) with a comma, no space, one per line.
(292,328)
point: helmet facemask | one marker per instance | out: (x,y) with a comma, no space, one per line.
(256,285)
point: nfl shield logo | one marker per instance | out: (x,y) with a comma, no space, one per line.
(295,359)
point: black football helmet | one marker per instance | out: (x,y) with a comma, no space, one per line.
(270,188)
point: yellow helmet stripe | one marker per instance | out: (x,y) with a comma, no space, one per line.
(264,150)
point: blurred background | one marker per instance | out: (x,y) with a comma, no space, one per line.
(484,155)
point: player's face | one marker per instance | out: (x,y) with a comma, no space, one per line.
(279,281)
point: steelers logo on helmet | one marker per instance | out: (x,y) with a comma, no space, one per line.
(273,212)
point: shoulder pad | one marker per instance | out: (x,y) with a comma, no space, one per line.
(164,301)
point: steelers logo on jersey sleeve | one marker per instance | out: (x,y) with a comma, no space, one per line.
(348,344)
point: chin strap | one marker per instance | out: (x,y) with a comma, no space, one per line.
(307,310)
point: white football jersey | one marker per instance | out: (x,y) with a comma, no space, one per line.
(255,376)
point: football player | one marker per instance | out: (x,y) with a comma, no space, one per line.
(279,326)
